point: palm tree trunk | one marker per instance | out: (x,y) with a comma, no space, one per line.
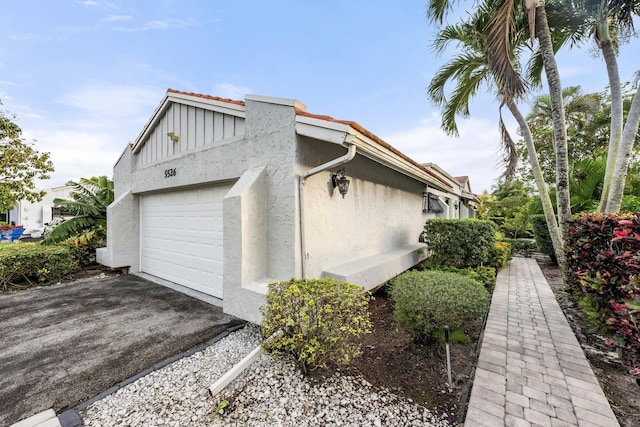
(619,175)
(557,112)
(547,206)
(610,179)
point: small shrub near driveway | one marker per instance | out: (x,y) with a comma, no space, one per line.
(32,263)
(320,320)
(427,300)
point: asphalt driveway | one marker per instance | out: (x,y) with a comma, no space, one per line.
(64,344)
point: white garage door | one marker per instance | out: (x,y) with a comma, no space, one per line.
(181,234)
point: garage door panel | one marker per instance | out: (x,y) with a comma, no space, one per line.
(182,237)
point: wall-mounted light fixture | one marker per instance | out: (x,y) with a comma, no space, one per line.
(338,179)
(455,205)
(173,136)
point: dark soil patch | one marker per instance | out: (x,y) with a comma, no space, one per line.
(391,359)
(621,389)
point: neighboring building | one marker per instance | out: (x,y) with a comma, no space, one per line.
(34,215)
(226,196)
(460,203)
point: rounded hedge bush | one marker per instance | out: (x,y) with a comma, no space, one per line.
(427,300)
(319,319)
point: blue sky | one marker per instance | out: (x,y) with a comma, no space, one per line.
(84,76)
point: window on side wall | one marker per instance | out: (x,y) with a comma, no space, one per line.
(433,204)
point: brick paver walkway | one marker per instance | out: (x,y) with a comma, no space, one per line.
(532,370)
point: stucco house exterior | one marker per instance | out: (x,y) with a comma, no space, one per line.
(34,215)
(225,196)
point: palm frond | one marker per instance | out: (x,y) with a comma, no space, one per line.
(458,103)
(437,10)
(499,52)
(510,157)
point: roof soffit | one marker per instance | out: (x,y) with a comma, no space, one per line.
(325,128)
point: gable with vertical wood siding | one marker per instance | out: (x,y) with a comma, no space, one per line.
(194,127)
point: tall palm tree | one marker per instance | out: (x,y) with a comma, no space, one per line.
(469,70)
(580,110)
(612,20)
(91,197)
(503,26)
(629,134)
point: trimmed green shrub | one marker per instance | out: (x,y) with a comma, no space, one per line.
(499,255)
(319,320)
(542,236)
(83,248)
(427,300)
(33,263)
(484,275)
(459,243)
(524,247)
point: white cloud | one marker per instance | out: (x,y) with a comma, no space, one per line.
(118,18)
(87,2)
(77,153)
(229,90)
(475,153)
(166,24)
(109,100)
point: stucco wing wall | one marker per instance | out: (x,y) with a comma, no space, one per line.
(123,240)
(245,245)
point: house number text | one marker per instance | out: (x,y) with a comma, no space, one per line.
(168,173)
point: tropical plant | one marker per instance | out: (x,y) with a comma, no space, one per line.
(90,199)
(474,67)
(588,134)
(20,165)
(580,110)
(510,205)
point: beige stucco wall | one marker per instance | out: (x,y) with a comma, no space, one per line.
(381,212)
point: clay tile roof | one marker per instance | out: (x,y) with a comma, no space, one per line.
(353,124)
(213,98)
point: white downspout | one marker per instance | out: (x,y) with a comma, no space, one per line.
(351,153)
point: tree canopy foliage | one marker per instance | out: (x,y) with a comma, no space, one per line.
(20,165)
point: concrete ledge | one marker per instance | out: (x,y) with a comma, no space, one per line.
(43,419)
(373,271)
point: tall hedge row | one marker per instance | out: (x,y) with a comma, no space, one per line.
(460,243)
(542,236)
(603,261)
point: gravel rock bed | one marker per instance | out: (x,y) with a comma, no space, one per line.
(271,392)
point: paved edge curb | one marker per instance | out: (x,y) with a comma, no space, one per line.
(70,417)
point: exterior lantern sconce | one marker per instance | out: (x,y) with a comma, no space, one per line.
(173,136)
(338,179)
(455,205)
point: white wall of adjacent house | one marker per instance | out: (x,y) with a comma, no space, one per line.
(34,215)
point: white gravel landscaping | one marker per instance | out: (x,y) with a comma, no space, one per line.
(269,393)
